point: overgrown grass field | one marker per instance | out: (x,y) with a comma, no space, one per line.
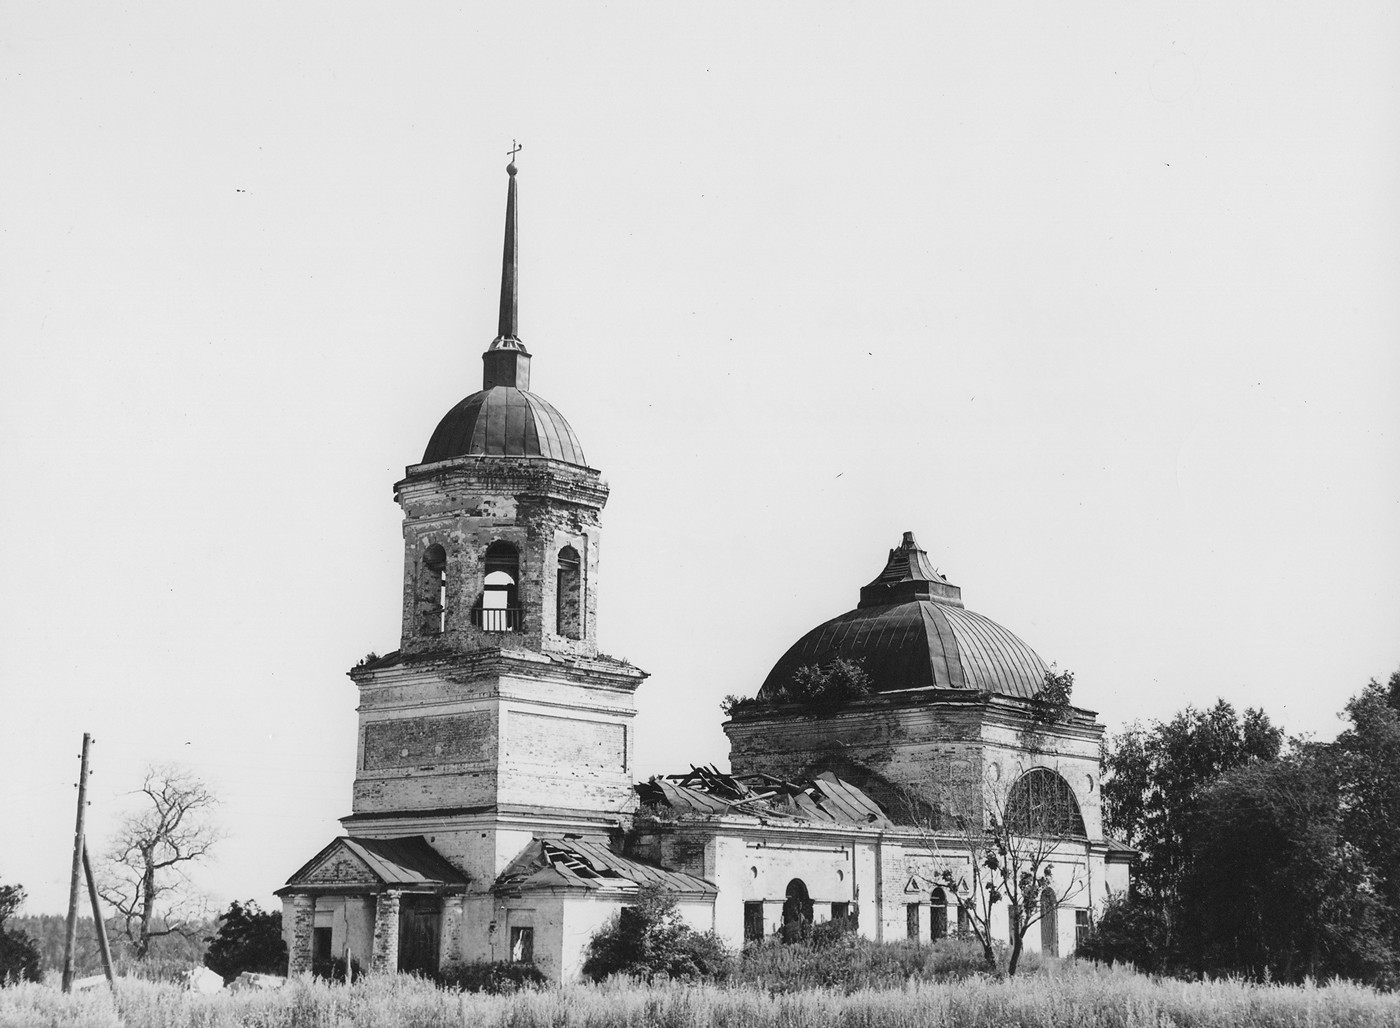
(1073,995)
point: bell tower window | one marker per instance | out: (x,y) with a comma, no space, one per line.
(432,591)
(500,595)
(569,595)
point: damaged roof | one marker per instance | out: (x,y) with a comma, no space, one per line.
(576,863)
(823,799)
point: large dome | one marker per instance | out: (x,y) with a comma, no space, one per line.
(504,421)
(911,631)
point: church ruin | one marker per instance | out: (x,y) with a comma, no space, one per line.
(495,815)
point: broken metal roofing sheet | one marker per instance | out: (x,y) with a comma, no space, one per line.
(504,422)
(583,864)
(826,799)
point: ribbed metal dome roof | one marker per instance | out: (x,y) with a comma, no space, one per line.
(504,421)
(911,631)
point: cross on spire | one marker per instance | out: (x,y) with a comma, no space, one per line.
(515,148)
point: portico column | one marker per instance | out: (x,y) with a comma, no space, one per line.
(303,931)
(386,931)
(451,930)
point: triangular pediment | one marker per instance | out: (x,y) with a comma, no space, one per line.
(337,865)
(351,864)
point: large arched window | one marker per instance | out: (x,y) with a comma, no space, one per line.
(432,591)
(499,609)
(569,595)
(1041,803)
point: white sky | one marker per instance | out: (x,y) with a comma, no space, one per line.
(1098,299)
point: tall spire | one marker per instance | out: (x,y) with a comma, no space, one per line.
(507,362)
(507,331)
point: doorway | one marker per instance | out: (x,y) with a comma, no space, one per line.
(797,911)
(420,928)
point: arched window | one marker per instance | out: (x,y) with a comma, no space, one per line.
(569,595)
(1041,803)
(499,609)
(938,914)
(1049,923)
(432,591)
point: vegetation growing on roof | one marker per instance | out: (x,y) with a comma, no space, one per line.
(822,688)
(1051,704)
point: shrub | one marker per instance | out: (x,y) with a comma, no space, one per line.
(650,941)
(1127,931)
(493,977)
(19,958)
(845,961)
(334,969)
(249,939)
(834,932)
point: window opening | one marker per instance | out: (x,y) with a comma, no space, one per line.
(499,610)
(753,921)
(1081,928)
(938,914)
(522,945)
(911,920)
(840,911)
(962,919)
(1041,803)
(320,945)
(568,597)
(432,590)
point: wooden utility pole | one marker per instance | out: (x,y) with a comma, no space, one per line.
(98,923)
(75,884)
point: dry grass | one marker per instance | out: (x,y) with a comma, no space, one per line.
(1075,996)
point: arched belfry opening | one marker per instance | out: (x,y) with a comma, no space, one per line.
(569,595)
(499,608)
(432,591)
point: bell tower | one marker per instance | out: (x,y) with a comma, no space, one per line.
(497,715)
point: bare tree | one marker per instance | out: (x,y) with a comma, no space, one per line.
(145,877)
(997,844)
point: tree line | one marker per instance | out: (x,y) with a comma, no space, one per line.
(1260,856)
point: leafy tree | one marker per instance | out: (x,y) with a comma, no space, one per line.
(649,941)
(1004,841)
(1368,770)
(1273,891)
(249,939)
(1154,778)
(19,959)
(145,878)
